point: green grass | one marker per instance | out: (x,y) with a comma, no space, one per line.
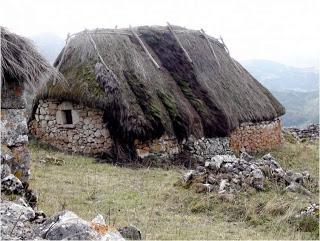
(149,199)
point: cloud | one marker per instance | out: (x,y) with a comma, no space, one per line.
(268,29)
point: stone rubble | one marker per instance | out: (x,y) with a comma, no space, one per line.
(311,132)
(130,232)
(311,210)
(229,174)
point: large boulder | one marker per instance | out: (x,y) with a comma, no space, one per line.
(15,221)
(66,225)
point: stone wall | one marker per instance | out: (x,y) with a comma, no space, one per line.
(311,132)
(205,148)
(13,125)
(163,147)
(252,137)
(89,135)
(86,134)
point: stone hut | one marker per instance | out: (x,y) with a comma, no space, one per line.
(146,90)
(21,66)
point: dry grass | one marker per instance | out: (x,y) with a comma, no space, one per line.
(148,199)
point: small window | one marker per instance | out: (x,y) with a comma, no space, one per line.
(67,117)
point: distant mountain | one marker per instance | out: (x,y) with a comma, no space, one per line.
(295,88)
(276,76)
(302,108)
(49,45)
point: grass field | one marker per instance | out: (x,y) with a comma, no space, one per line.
(149,199)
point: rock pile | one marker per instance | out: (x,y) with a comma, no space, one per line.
(310,133)
(229,174)
(203,149)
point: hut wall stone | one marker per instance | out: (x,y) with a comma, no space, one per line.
(86,134)
(256,136)
(89,135)
(164,147)
(14,129)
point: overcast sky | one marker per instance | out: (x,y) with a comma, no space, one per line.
(282,30)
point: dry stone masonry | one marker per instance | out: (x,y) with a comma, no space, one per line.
(14,131)
(203,149)
(252,137)
(71,127)
(163,147)
(311,132)
(77,128)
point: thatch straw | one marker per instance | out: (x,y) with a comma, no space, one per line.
(20,62)
(209,96)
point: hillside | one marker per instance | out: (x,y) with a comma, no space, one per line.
(149,198)
(280,77)
(295,88)
(302,108)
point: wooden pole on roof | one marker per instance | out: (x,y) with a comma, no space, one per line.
(97,51)
(62,57)
(144,47)
(211,48)
(226,48)
(179,43)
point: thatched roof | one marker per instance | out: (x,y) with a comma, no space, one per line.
(20,61)
(209,95)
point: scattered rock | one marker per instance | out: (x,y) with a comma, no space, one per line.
(258,179)
(53,160)
(222,185)
(188,175)
(224,196)
(200,187)
(130,232)
(200,169)
(245,156)
(296,187)
(311,210)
